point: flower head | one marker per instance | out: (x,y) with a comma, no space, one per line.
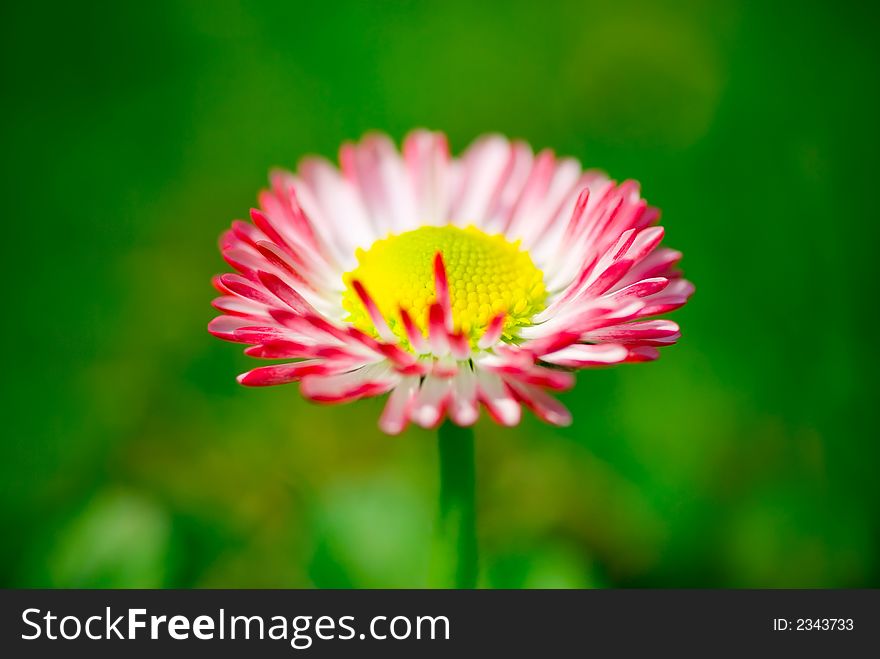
(449,283)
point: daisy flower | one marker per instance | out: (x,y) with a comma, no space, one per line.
(450,284)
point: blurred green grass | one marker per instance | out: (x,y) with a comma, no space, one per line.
(133,134)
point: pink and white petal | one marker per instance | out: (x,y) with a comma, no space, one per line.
(545,406)
(265,376)
(319,328)
(648,332)
(395,416)
(427,161)
(376,169)
(562,229)
(516,173)
(596,234)
(225,327)
(494,394)
(625,310)
(247,289)
(484,168)
(567,266)
(550,342)
(324,299)
(271,224)
(441,290)
(245,259)
(374,312)
(238,306)
(560,199)
(464,406)
(624,211)
(310,263)
(673,297)
(255,334)
(641,289)
(459,346)
(531,194)
(546,378)
(247,232)
(283,261)
(677,288)
(340,340)
(562,261)
(284,207)
(403,361)
(492,334)
(642,354)
(528,373)
(646,241)
(445,367)
(537,213)
(586,316)
(606,279)
(285,293)
(371,380)
(413,333)
(335,248)
(583,355)
(659,263)
(338,203)
(348,353)
(603,266)
(438,334)
(430,402)
(281,349)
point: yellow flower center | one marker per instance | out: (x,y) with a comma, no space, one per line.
(486,274)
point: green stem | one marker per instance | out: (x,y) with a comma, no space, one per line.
(454,562)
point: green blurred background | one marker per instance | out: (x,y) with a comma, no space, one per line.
(135,132)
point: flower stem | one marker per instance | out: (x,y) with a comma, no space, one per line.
(454,563)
